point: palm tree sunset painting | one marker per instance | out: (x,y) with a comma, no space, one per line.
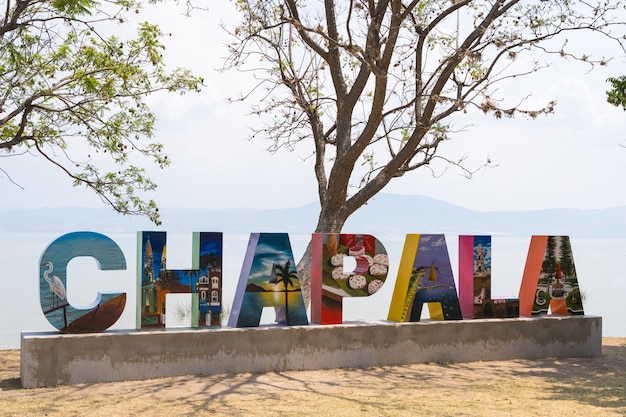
(268,279)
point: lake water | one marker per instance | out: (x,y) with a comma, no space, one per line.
(599,263)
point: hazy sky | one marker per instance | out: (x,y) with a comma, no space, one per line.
(571,159)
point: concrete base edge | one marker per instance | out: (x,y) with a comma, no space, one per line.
(49,359)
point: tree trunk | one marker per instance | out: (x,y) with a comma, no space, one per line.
(328,224)
(304,275)
(287,304)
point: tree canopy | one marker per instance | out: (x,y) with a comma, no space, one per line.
(373,86)
(73,92)
(617,94)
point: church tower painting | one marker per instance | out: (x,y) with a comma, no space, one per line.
(148,288)
(155,281)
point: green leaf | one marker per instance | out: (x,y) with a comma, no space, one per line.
(74,7)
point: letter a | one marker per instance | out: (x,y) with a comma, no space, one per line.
(424,276)
(268,279)
(550,279)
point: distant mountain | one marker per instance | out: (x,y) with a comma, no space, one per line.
(402,214)
(255,288)
(385,214)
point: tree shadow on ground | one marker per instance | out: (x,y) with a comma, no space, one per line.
(10,384)
(599,382)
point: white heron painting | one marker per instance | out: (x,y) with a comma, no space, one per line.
(55,284)
(54,295)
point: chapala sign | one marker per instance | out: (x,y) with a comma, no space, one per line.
(343,265)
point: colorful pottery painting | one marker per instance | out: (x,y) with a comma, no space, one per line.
(331,278)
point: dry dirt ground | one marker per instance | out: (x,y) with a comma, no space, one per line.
(549,387)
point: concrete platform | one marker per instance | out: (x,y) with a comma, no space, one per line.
(49,359)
